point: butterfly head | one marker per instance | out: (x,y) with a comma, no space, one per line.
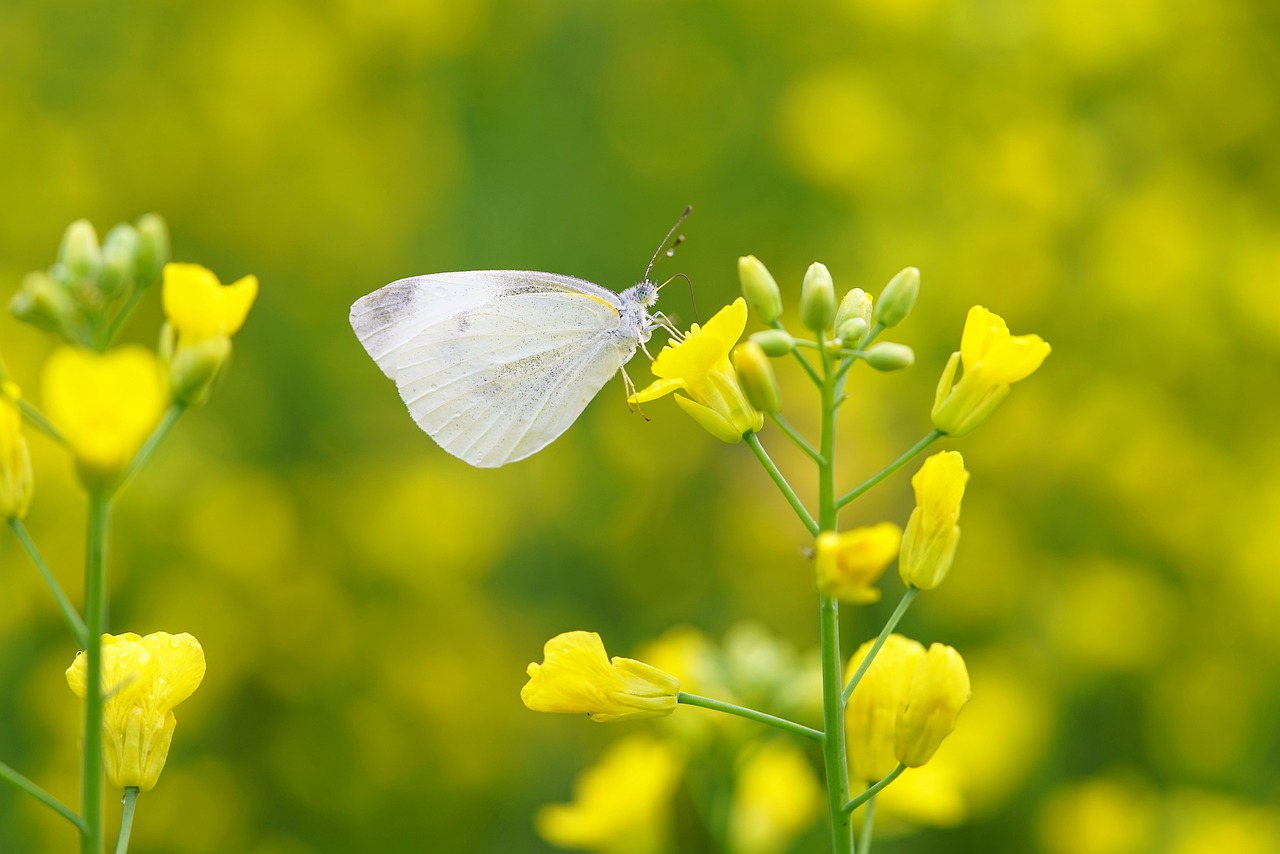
(645,293)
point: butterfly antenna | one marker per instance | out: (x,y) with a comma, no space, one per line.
(692,299)
(661,246)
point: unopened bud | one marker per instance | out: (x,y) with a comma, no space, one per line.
(774,342)
(855,305)
(153,249)
(852,331)
(817,298)
(80,255)
(119,260)
(898,297)
(761,291)
(756,375)
(193,368)
(45,304)
(888,356)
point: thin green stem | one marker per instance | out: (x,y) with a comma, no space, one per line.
(123,314)
(126,819)
(868,826)
(21,783)
(929,438)
(148,448)
(753,441)
(41,422)
(804,363)
(903,604)
(749,714)
(95,586)
(74,623)
(796,437)
(875,790)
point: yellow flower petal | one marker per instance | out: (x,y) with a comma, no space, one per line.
(200,307)
(577,677)
(848,564)
(872,712)
(704,346)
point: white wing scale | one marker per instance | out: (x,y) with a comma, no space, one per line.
(494,365)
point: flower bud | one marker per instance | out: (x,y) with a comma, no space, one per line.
(852,331)
(757,377)
(80,255)
(817,298)
(774,342)
(872,712)
(119,260)
(939,689)
(15,459)
(761,291)
(888,356)
(44,304)
(153,249)
(898,297)
(856,304)
(193,368)
(576,676)
(929,543)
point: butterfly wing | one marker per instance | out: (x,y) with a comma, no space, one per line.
(493,365)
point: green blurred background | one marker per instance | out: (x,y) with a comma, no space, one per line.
(1102,172)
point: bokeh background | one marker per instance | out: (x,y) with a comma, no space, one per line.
(1103,173)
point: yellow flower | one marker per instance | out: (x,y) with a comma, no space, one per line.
(15,459)
(993,360)
(939,689)
(872,713)
(848,564)
(929,543)
(577,677)
(143,678)
(203,314)
(699,365)
(105,404)
(622,804)
(775,798)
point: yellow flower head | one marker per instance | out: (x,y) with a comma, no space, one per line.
(622,804)
(143,678)
(105,404)
(872,713)
(577,677)
(200,307)
(929,544)
(939,689)
(849,564)
(775,797)
(993,359)
(699,365)
(15,459)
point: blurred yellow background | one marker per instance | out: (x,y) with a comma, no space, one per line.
(1103,173)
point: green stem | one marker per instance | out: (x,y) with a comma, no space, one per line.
(796,437)
(123,314)
(749,714)
(835,758)
(875,790)
(868,825)
(804,363)
(41,422)
(74,623)
(754,442)
(149,447)
(928,439)
(903,604)
(95,586)
(21,783)
(126,819)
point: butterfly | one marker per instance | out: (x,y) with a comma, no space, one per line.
(495,364)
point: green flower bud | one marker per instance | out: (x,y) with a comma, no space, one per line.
(898,297)
(80,255)
(817,298)
(855,305)
(761,291)
(852,331)
(887,356)
(44,304)
(119,260)
(757,377)
(193,368)
(774,342)
(153,249)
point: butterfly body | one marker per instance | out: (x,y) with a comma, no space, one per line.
(495,364)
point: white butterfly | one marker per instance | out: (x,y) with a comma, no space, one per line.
(496,364)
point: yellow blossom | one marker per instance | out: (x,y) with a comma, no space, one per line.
(871,715)
(622,804)
(849,564)
(775,797)
(929,543)
(577,677)
(699,365)
(143,678)
(15,459)
(203,314)
(939,689)
(993,360)
(105,404)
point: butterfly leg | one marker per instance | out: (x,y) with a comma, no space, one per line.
(631,391)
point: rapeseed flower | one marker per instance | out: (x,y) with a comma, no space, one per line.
(15,459)
(577,677)
(871,716)
(849,564)
(929,542)
(202,316)
(939,689)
